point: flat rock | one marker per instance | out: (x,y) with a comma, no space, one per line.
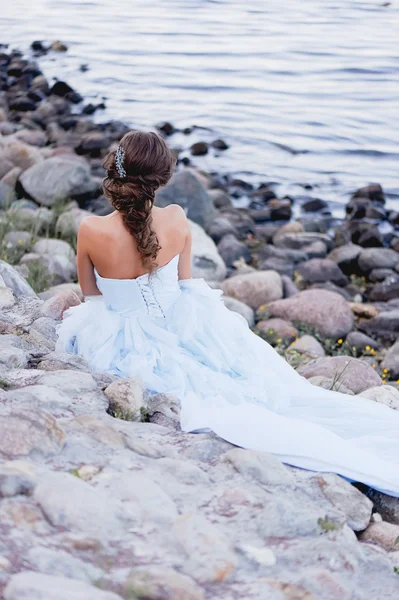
(29,585)
(326,311)
(55,306)
(13,280)
(153,583)
(377,258)
(254,289)
(354,373)
(24,432)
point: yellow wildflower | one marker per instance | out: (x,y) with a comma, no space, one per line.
(279,340)
(261,307)
(270,330)
(385,370)
(373,365)
(368,348)
(340,341)
(372,351)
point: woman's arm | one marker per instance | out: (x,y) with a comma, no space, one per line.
(185,256)
(87,279)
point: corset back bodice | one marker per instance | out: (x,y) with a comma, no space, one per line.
(148,294)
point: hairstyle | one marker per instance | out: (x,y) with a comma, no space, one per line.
(142,164)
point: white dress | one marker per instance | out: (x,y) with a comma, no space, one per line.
(178,337)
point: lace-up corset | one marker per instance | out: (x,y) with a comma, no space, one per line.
(151,295)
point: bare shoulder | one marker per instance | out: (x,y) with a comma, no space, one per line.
(91,223)
(176,213)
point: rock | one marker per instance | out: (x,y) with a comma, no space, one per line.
(279,328)
(8,183)
(377,275)
(219,145)
(57,179)
(186,190)
(242,309)
(12,358)
(16,478)
(61,263)
(232,250)
(354,373)
(261,467)
(14,281)
(153,583)
(385,324)
(17,243)
(93,143)
(314,205)
(220,228)
(282,266)
(243,223)
(355,505)
(68,223)
(199,149)
(330,384)
(23,155)
(254,289)
(385,394)
(23,432)
(35,221)
(62,564)
(391,360)
(326,311)
(209,555)
(373,191)
(386,290)
(307,344)
(33,137)
(386,507)
(55,306)
(377,258)
(346,257)
(164,409)
(60,289)
(7,299)
(321,270)
(361,343)
(126,399)
(289,287)
(166,128)
(43,333)
(92,511)
(300,241)
(220,198)
(58,361)
(28,585)
(206,262)
(383,534)
(357,208)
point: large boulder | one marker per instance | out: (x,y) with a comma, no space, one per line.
(383,394)
(346,257)
(232,250)
(319,270)
(325,311)
(255,288)
(186,190)
(58,179)
(206,261)
(353,373)
(300,241)
(13,280)
(68,223)
(378,258)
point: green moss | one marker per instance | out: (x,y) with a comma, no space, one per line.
(327,526)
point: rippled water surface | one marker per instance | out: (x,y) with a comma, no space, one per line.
(304,91)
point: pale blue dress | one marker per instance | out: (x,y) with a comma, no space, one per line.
(178,337)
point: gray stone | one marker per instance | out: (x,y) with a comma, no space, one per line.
(186,190)
(231,250)
(300,240)
(62,564)
(43,333)
(344,496)
(13,358)
(261,467)
(68,223)
(278,328)
(321,270)
(29,585)
(54,248)
(386,506)
(209,555)
(346,257)
(221,227)
(307,344)
(254,289)
(57,361)
(354,373)
(391,361)
(383,394)
(126,399)
(14,281)
(206,261)
(361,342)
(69,502)
(16,478)
(164,409)
(153,583)
(328,383)
(24,432)
(241,308)
(378,258)
(326,311)
(57,179)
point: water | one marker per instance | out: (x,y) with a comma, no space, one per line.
(304,91)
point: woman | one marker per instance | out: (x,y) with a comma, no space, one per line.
(145,318)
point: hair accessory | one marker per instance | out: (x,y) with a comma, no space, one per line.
(119,158)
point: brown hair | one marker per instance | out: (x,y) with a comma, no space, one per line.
(147,165)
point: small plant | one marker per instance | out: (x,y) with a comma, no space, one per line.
(39,277)
(327,526)
(4,385)
(396,570)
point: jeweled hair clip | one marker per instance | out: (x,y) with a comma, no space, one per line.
(119,158)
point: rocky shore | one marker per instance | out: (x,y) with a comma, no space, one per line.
(101,496)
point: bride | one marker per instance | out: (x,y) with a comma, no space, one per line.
(145,318)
